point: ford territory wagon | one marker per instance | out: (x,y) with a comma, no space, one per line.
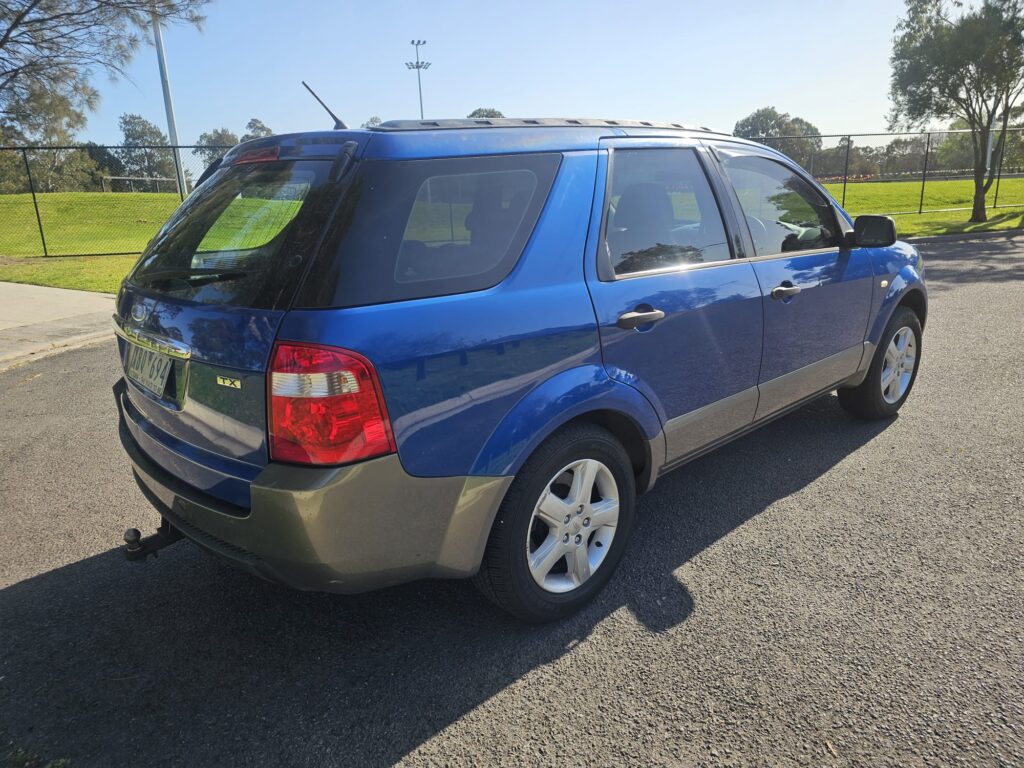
(461,348)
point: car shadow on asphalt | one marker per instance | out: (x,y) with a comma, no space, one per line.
(186,661)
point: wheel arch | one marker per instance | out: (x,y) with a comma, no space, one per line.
(915,299)
(639,449)
(582,394)
(906,289)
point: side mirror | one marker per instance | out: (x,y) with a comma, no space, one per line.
(873,231)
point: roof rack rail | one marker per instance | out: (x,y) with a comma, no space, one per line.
(532,122)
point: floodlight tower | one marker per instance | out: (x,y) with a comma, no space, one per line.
(419,66)
(165,82)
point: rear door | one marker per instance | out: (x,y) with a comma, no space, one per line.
(198,315)
(816,293)
(680,318)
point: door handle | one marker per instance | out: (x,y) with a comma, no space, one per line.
(785,291)
(634,319)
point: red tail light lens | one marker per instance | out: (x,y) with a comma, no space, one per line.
(326,406)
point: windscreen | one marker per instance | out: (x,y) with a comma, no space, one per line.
(242,238)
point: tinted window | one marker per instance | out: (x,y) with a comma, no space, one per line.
(241,238)
(784,212)
(661,213)
(414,228)
(462,225)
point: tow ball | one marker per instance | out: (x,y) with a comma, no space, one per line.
(138,548)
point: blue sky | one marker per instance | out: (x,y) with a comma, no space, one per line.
(707,63)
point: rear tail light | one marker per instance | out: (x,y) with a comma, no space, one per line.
(326,406)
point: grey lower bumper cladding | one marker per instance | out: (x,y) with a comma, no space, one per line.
(338,529)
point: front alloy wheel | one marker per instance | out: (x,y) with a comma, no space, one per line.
(898,367)
(890,377)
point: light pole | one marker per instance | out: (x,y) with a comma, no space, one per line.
(172,129)
(419,66)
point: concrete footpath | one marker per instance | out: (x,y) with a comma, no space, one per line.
(35,320)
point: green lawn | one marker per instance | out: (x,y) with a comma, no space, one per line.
(106,222)
(82,222)
(905,196)
(85,273)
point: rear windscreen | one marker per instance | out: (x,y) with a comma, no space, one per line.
(415,228)
(242,238)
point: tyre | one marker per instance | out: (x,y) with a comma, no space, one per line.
(893,370)
(562,527)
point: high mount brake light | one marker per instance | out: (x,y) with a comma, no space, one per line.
(326,406)
(262,155)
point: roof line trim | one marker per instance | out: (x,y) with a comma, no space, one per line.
(535,122)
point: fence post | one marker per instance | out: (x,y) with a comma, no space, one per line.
(180,176)
(35,203)
(846,169)
(999,173)
(924,173)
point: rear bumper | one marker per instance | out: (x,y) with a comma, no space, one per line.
(337,529)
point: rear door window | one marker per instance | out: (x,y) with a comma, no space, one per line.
(242,238)
(662,214)
(415,228)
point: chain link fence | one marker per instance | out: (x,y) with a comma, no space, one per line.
(908,173)
(92,200)
(106,200)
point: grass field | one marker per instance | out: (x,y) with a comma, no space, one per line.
(82,222)
(85,273)
(905,196)
(97,222)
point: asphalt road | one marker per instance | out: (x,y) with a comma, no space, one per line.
(822,592)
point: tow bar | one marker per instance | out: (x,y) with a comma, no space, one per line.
(138,548)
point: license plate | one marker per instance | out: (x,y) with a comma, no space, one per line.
(148,369)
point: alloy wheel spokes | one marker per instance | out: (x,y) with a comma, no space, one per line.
(579,564)
(898,366)
(572,526)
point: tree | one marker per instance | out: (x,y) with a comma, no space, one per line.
(55,45)
(485,112)
(106,161)
(140,152)
(373,122)
(904,155)
(12,166)
(783,132)
(39,118)
(255,129)
(968,66)
(213,144)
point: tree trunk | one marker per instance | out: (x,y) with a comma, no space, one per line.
(978,213)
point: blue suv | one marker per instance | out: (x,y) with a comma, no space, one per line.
(462,347)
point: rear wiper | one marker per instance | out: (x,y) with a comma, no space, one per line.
(197,276)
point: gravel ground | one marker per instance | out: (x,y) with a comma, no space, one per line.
(822,592)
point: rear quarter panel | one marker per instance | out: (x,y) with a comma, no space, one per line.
(454,368)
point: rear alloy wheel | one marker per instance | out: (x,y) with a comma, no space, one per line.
(893,370)
(562,527)
(573,526)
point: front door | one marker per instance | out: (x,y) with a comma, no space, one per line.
(816,294)
(680,319)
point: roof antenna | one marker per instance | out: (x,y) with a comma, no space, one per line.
(339,124)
